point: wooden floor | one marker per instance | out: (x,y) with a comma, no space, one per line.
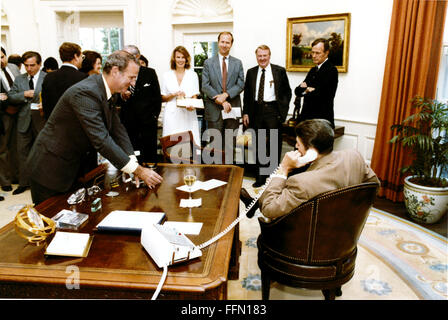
(399,209)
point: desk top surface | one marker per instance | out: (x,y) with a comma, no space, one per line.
(118,259)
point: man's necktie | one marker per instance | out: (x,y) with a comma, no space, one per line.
(224,74)
(8,77)
(31,83)
(132,90)
(261,87)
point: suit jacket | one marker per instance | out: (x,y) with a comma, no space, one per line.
(212,85)
(143,107)
(81,121)
(319,104)
(333,171)
(15,72)
(282,93)
(55,84)
(4,85)
(16,98)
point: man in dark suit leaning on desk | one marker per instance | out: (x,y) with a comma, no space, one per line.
(84,119)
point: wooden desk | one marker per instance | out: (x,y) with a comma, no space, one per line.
(117,265)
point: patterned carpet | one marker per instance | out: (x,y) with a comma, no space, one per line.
(397,260)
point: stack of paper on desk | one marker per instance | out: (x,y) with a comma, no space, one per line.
(69,244)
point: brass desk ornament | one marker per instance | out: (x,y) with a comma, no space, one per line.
(33,226)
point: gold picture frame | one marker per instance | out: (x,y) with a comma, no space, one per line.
(301,32)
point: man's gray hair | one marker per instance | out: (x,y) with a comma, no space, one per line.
(119,59)
(132,50)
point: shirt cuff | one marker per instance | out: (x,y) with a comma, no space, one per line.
(131,166)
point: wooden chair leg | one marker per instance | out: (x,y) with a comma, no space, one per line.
(265,286)
(329,294)
(338,292)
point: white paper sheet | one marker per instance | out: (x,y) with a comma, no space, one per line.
(232,114)
(190,203)
(202,185)
(211,184)
(185,227)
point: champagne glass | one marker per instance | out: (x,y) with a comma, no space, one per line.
(189,179)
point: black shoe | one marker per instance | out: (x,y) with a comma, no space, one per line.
(247,200)
(19,190)
(7,188)
(2,198)
(257,184)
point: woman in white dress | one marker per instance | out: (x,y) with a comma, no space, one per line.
(180,82)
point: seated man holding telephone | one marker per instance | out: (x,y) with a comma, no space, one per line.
(312,169)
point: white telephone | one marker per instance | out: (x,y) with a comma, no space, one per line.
(310,155)
(167,247)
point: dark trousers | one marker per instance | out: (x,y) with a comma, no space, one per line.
(224,143)
(267,118)
(9,170)
(144,138)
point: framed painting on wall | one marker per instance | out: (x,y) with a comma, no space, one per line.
(301,32)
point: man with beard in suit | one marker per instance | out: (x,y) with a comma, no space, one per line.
(319,87)
(85,119)
(25,95)
(266,103)
(140,109)
(55,83)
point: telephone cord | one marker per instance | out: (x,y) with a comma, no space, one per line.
(161,282)
(237,220)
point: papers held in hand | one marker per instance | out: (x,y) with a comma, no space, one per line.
(129,221)
(190,102)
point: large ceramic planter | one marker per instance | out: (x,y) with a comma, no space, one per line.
(425,204)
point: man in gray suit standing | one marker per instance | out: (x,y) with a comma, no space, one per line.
(8,125)
(84,120)
(222,83)
(25,95)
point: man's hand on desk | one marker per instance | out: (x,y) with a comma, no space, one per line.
(149,176)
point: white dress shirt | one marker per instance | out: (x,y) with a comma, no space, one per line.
(132,165)
(269,89)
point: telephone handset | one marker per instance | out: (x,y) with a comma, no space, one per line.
(310,155)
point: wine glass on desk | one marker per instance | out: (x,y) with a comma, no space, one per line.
(189,179)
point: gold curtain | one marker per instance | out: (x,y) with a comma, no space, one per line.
(412,64)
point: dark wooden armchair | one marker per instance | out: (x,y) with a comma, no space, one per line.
(181,148)
(315,245)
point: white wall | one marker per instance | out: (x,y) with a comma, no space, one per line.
(148,24)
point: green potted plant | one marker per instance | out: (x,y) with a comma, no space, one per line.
(425,135)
